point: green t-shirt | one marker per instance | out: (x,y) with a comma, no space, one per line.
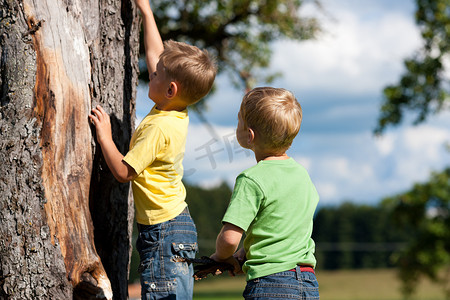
(274,203)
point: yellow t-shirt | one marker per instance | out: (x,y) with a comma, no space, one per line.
(156,154)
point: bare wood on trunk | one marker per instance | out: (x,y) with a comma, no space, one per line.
(56,60)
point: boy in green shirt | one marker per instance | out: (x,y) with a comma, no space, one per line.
(273,202)
(180,75)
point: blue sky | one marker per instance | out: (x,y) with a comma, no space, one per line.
(338,79)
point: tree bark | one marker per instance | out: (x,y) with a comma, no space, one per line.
(57,60)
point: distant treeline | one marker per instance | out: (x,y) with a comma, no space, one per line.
(352,236)
(347,236)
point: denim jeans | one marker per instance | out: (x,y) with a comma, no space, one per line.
(162,277)
(283,285)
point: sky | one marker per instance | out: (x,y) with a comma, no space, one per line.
(338,79)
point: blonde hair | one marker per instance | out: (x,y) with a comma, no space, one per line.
(274,114)
(193,69)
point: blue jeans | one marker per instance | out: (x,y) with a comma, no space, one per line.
(162,277)
(283,285)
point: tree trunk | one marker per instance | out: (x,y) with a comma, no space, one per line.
(57,60)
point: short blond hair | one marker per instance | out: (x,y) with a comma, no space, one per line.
(274,114)
(193,69)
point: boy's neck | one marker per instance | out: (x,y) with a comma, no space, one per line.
(177,106)
(270,156)
(170,109)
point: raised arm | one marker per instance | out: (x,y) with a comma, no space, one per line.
(152,39)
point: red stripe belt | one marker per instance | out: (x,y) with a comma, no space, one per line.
(305,269)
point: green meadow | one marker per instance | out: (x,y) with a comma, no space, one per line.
(378,284)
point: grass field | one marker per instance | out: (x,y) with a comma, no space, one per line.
(333,285)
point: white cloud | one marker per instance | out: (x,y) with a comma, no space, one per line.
(416,151)
(352,56)
(304,161)
(420,139)
(372,168)
(327,190)
(343,178)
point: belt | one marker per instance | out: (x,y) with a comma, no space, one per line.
(304,269)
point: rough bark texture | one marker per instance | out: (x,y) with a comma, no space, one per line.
(114,58)
(57,59)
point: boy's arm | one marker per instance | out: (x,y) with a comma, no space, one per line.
(122,171)
(226,245)
(152,39)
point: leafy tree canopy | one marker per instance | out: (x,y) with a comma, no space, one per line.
(424,211)
(424,88)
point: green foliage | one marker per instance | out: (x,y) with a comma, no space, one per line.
(425,212)
(238,32)
(424,87)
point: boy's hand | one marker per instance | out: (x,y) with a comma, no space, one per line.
(232,261)
(102,124)
(122,171)
(240,256)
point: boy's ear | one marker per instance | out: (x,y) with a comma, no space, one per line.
(250,136)
(172,90)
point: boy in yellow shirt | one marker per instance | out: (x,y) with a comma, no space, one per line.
(180,75)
